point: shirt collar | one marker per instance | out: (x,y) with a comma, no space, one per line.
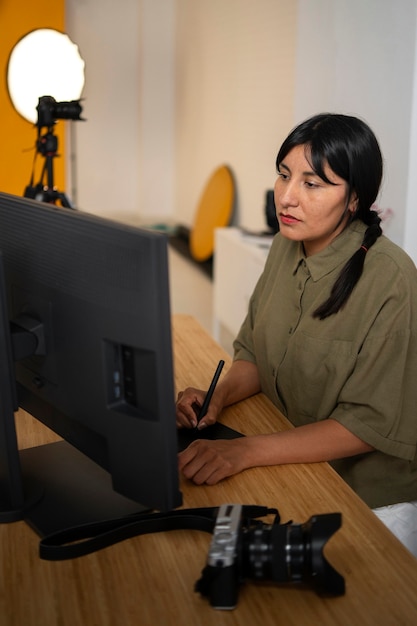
(335,254)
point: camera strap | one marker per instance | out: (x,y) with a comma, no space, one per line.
(87,538)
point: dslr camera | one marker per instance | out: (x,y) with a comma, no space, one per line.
(244,549)
(50,110)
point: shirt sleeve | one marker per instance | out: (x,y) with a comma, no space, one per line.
(378,401)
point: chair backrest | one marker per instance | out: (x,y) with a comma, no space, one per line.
(214,210)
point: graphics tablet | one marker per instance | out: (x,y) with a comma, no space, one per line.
(217,431)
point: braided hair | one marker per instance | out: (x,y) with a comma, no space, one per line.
(349,147)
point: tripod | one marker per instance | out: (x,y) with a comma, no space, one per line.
(45,191)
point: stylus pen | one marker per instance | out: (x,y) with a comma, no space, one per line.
(205,405)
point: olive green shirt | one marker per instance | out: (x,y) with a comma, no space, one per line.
(358,366)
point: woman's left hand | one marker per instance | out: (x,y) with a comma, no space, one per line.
(210,461)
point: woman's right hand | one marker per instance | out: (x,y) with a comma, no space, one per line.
(240,382)
(188,407)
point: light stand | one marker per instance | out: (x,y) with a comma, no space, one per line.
(45,190)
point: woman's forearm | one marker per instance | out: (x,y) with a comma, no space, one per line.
(326,440)
(240,382)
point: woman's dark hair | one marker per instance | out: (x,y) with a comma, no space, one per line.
(351,150)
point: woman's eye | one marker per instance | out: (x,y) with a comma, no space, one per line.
(310,185)
(283,176)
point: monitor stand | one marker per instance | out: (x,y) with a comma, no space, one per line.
(75,489)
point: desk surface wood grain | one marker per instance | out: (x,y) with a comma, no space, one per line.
(150,579)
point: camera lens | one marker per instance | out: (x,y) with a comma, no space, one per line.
(265,553)
(293,553)
(68,110)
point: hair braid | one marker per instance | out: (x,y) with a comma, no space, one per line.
(352,271)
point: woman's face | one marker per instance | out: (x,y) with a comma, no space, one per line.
(308,208)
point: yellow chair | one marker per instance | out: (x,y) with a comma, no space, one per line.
(214,210)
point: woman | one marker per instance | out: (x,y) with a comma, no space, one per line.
(331,331)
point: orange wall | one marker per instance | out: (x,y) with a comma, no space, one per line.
(18,136)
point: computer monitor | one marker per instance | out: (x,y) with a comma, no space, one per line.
(85,347)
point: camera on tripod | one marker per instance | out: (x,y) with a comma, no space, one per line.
(250,549)
(49,110)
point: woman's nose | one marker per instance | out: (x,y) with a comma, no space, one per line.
(285,193)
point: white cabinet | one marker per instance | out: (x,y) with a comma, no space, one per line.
(238,262)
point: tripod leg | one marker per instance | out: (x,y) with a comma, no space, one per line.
(64,200)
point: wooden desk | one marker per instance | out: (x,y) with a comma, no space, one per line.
(150,579)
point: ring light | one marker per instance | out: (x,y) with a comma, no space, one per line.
(44,62)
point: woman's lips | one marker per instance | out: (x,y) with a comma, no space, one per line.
(288,219)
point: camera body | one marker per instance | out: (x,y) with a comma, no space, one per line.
(223,557)
(50,110)
(251,549)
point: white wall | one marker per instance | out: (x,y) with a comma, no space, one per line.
(124,151)
(108,41)
(358,57)
(410,224)
(157,96)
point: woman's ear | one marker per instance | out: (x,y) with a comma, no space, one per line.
(353,203)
